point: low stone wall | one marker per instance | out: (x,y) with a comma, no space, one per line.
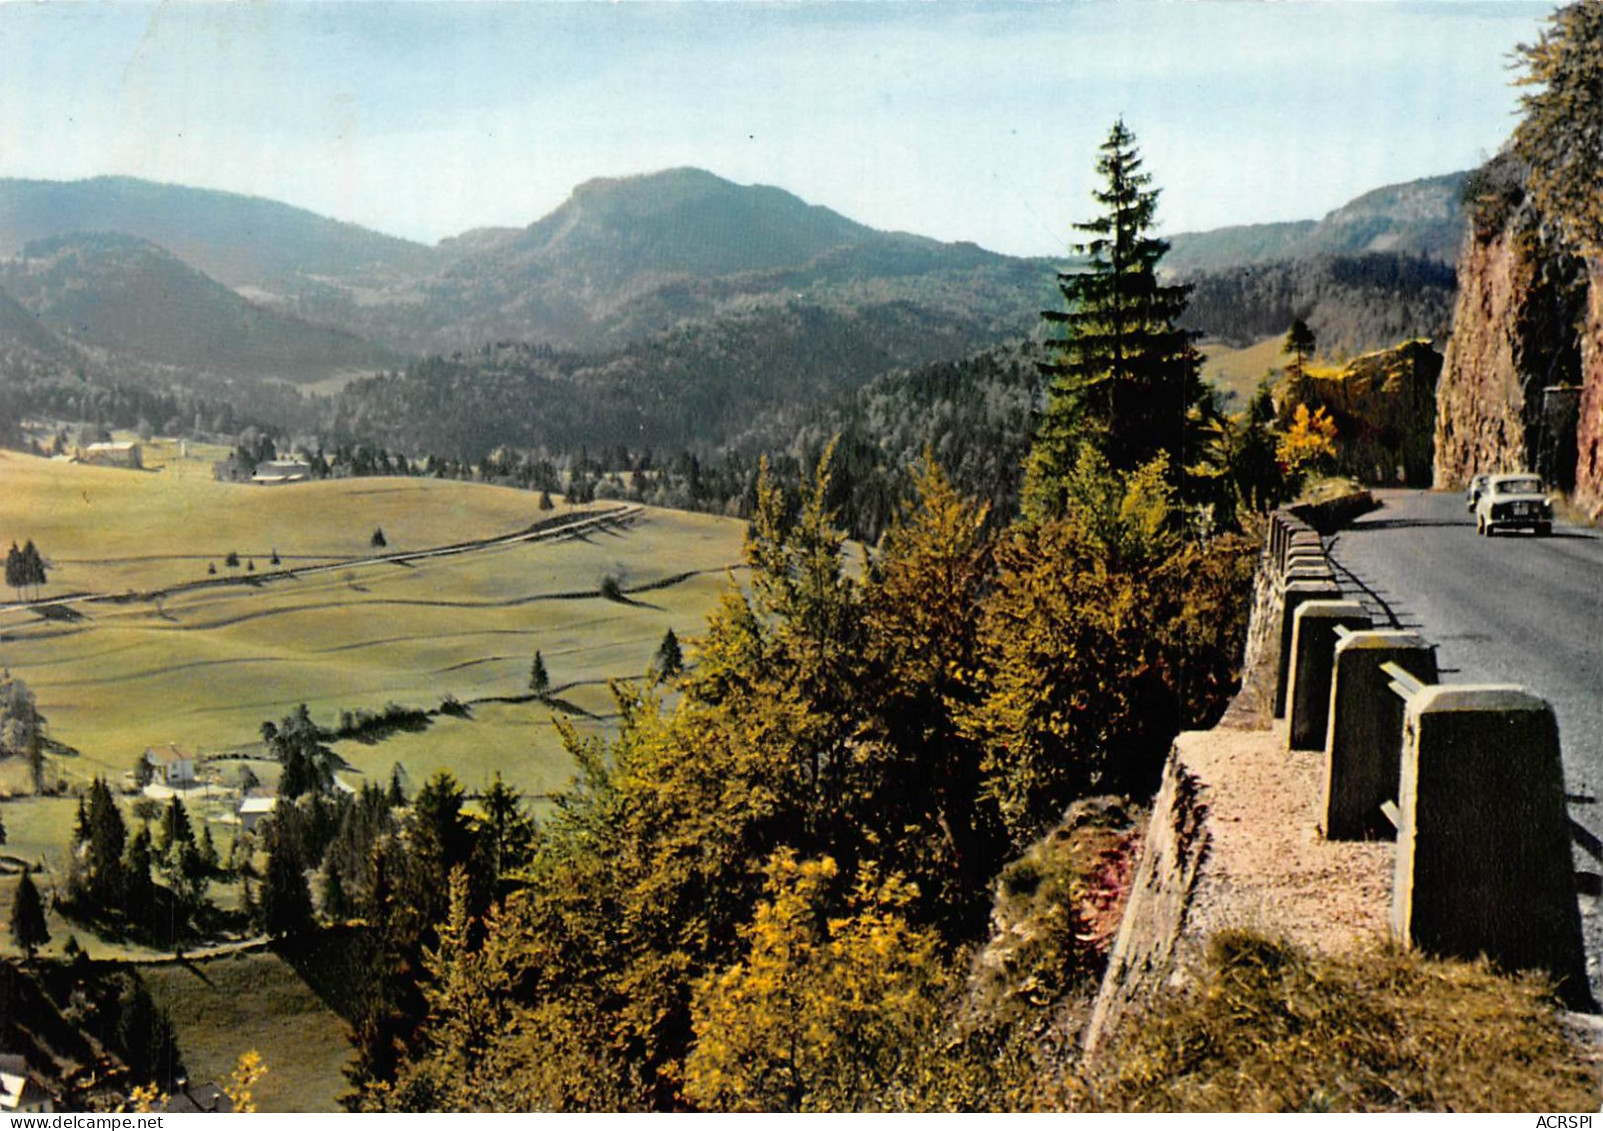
(1238,832)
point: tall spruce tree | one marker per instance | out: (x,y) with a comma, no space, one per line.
(1300,344)
(1123,376)
(33,568)
(15,571)
(29,930)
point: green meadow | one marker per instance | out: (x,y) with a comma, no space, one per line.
(203,666)
(1236,373)
(146,646)
(280,1005)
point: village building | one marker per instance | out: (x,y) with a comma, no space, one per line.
(21,1092)
(113,455)
(202,1099)
(275,471)
(170,765)
(251,811)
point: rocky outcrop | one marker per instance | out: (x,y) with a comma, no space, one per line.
(1384,408)
(1519,301)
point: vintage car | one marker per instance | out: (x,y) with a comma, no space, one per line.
(1473,493)
(1514,502)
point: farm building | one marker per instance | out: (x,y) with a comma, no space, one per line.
(113,455)
(253,810)
(170,765)
(206,1099)
(20,1090)
(275,471)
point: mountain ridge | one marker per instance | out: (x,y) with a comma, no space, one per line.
(1423,217)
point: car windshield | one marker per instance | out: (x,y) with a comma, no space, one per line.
(1522,486)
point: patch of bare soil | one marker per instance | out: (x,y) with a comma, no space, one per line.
(1268,868)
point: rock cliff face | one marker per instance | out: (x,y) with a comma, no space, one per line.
(1514,338)
(1384,406)
(1481,399)
(1589,425)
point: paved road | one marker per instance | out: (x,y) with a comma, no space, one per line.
(1508,609)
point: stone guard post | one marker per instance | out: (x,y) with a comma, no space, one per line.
(1363,746)
(1313,645)
(1483,843)
(1292,597)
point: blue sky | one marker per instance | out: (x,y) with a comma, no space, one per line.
(960,121)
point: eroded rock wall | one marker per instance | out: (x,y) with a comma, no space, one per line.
(1589,425)
(1482,396)
(1522,300)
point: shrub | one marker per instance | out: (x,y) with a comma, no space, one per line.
(1266,1026)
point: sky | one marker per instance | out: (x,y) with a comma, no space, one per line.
(962,121)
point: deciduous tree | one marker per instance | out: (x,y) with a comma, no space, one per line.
(830,1008)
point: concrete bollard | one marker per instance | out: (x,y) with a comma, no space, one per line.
(1292,596)
(1313,648)
(1277,535)
(1483,843)
(1364,742)
(1306,569)
(1302,541)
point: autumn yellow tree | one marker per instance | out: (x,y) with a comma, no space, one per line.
(824,1011)
(1309,441)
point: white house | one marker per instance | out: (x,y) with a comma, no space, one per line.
(170,766)
(275,471)
(253,810)
(20,1091)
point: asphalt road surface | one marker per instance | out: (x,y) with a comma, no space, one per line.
(1510,609)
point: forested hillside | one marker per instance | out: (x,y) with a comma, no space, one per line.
(696,387)
(1423,218)
(125,295)
(1353,303)
(242,241)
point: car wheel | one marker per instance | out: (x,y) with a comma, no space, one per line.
(1543,529)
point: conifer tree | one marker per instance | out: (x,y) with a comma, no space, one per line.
(1124,377)
(98,861)
(286,901)
(139,891)
(669,660)
(28,928)
(1560,137)
(539,678)
(33,568)
(14,570)
(1300,343)
(336,904)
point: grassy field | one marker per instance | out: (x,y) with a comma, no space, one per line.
(222,1007)
(1236,373)
(204,667)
